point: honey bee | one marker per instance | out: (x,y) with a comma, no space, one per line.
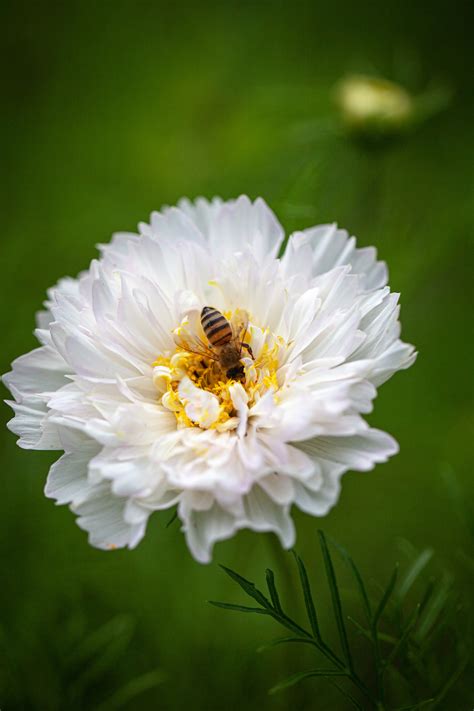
(225,341)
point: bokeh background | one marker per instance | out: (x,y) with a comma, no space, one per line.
(111,109)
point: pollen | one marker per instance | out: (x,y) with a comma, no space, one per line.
(195,388)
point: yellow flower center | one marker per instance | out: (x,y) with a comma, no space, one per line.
(181,376)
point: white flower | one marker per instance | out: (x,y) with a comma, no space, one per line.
(145,425)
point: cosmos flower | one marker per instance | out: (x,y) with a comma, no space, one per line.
(129,384)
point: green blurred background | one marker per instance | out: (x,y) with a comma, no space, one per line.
(111,109)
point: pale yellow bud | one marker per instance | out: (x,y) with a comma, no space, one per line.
(371,104)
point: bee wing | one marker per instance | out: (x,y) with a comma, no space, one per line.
(193,344)
(239,324)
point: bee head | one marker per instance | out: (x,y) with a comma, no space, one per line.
(236,373)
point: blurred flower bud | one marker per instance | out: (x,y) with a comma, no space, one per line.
(374,106)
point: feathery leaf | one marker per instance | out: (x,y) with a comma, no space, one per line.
(413,573)
(346,694)
(172,519)
(270,577)
(358,577)
(308,597)
(284,640)
(336,600)
(131,690)
(386,596)
(412,707)
(410,623)
(296,678)
(238,608)
(248,587)
(433,608)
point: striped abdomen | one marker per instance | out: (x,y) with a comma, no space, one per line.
(216,327)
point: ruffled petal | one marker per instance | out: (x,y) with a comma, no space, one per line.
(40,371)
(33,427)
(236,225)
(68,477)
(204,528)
(200,406)
(361,451)
(332,247)
(102,515)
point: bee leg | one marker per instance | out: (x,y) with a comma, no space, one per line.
(246,345)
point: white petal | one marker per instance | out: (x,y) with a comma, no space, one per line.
(333,247)
(316,497)
(67,478)
(240,400)
(102,515)
(204,528)
(202,212)
(118,247)
(240,223)
(200,406)
(263,514)
(360,452)
(131,471)
(34,428)
(398,356)
(279,488)
(38,371)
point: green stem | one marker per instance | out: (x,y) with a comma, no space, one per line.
(379,668)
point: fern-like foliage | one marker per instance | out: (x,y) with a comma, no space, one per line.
(79,665)
(413,646)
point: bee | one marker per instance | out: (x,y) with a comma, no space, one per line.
(225,341)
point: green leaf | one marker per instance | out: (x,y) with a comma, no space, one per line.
(172,519)
(290,624)
(386,596)
(412,707)
(388,638)
(336,600)
(101,650)
(284,640)
(410,623)
(98,641)
(358,577)
(428,593)
(360,628)
(266,608)
(270,577)
(248,587)
(452,679)
(308,598)
(434,608)
(413,572)
(369,635)
(238,608)
(346,694)
(296,678)
(132,690)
